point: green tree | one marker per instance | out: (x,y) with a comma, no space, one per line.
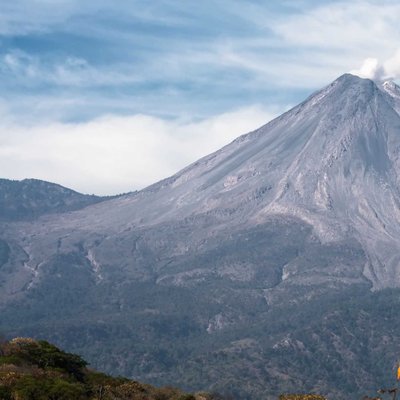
(63,390)
(5,393)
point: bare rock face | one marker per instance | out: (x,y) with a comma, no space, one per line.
(303,208)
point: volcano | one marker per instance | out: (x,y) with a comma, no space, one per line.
(271,265)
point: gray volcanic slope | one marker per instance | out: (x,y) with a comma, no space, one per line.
(304,208)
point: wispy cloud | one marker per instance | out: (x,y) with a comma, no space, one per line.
(356,26)
(30,70)
(23,17)
(309,46)
(225,49)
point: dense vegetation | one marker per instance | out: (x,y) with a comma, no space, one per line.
(38,370)
(30,198)
(301,397)
(343,344)
(4,252)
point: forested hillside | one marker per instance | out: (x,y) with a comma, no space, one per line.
(38,370)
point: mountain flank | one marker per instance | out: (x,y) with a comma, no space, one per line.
(270,266)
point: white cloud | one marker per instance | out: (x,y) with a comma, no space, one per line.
(117,154)
(312,46)
(355,26)
(304,48)
(70,71)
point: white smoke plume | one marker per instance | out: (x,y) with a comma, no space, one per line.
(373,69)
(370,69)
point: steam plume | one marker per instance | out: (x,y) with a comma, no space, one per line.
(373,69)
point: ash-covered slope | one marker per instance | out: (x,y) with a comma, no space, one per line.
(215,260)
(332,163)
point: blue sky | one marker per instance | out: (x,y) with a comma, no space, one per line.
(166,81)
